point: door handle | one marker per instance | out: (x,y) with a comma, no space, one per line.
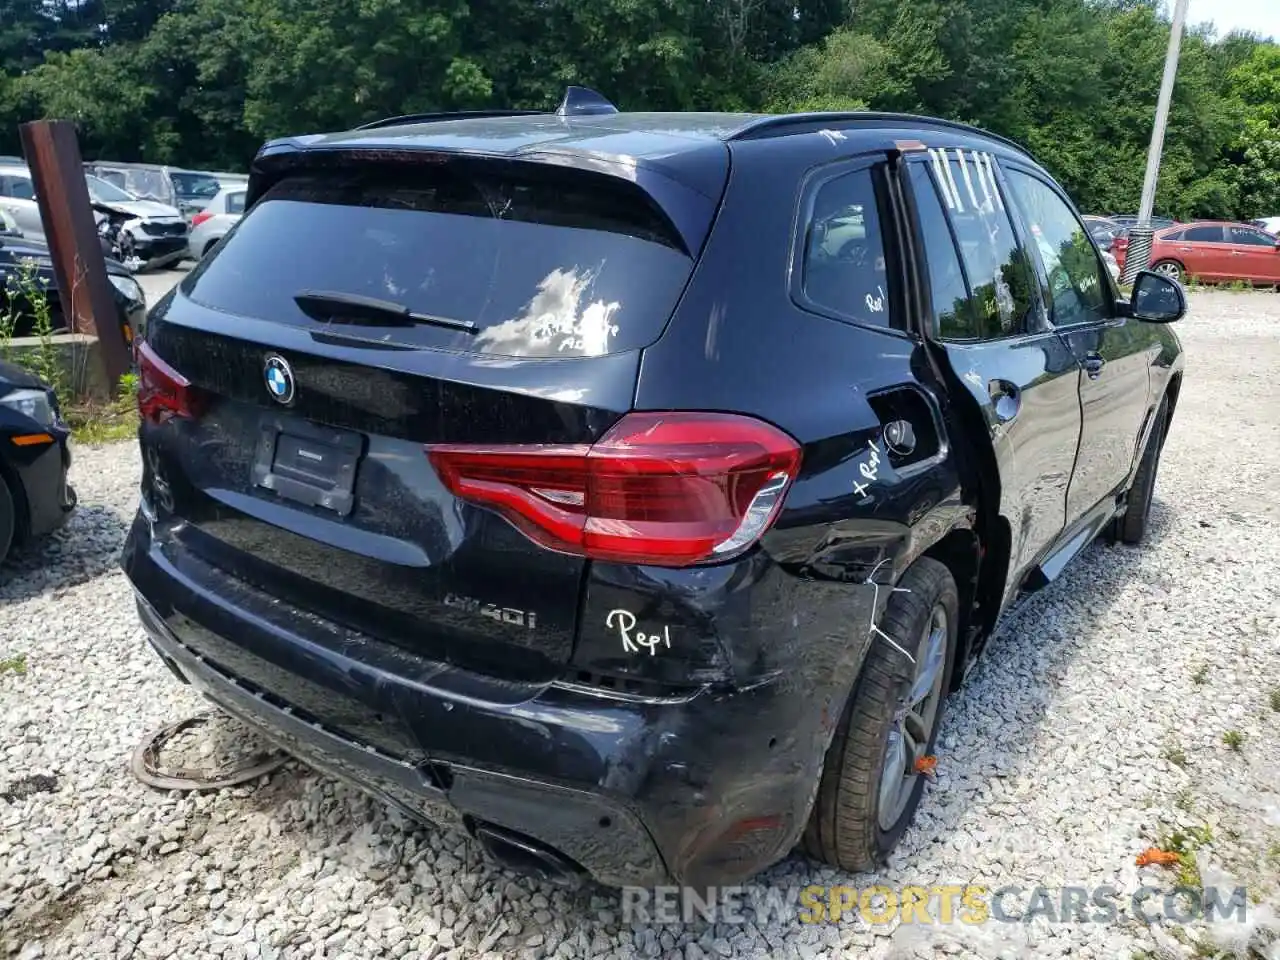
(1006,399)
(1093,364)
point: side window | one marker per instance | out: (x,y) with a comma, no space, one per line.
(844,269)
(21,188)
(1078,290)
(1173,236)
(953,316)
(996,266)
(235,203)
(1203,235)
(1250,237)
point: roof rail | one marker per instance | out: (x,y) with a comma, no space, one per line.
(784,123)
(445,115)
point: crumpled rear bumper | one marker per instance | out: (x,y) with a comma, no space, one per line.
(707,789)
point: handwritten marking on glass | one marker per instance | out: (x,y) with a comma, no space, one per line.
(876,304)
(624,621)
(869,468)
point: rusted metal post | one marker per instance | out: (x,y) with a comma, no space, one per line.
(53,154)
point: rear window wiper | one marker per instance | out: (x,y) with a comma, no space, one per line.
(330,306)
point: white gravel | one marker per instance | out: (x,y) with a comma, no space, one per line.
(1092,728)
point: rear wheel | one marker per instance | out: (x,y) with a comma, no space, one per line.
(8,519)
(1169,268)
(870,789)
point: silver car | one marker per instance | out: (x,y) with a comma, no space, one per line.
(211,224)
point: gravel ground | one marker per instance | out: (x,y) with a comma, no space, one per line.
(1097,723)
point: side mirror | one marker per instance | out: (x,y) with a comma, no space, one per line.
(1156,299)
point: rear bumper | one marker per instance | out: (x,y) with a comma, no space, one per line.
(707,789)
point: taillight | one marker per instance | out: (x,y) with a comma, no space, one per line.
(163,392)
(200,218)
(662,489)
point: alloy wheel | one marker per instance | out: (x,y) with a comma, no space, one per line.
(913,722)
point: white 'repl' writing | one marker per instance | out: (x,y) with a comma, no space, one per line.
(876,304)
(869,468)
(633,642)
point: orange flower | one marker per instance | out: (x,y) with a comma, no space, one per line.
(927,765)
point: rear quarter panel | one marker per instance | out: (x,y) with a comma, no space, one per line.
(739,343)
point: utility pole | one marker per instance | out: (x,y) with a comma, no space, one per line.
(1138,255)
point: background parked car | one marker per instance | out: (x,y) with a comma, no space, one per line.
(15,310)
(1128,221)
(146,233)
(35,497)
(1269,224)
(188,191)
(212,223)
(1215,251)
(1103,230)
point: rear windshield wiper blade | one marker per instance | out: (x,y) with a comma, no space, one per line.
(334,307)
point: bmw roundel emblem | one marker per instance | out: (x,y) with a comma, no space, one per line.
(279,377)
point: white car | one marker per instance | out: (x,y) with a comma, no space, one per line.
(150,234)
(1269,224)
(212,223)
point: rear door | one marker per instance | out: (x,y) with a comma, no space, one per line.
(1115,352)
(988,321)
(1255,255)
(305,475)
(1202,250)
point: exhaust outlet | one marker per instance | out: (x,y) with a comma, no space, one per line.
(527,856)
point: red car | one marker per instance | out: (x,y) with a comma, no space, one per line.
(1212,251)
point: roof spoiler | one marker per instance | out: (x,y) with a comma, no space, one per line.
(577,102)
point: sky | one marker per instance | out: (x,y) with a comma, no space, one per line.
(1260,16)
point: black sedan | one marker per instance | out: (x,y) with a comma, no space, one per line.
(17,251)
(35,497)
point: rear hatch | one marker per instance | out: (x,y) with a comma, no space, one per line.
(364,309)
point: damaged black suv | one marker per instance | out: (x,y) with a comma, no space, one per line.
(629,490)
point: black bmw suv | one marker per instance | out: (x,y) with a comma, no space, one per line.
(629,490)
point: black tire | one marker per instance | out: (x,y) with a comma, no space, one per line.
(1131,526)
(8,519)
(208,247)
(843,828)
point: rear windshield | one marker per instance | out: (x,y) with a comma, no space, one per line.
(544,264)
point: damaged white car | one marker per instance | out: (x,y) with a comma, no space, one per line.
(143,234)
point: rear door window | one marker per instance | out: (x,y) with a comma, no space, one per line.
(953,313)
(997,268)
(546,263)
(1252,238)
(235,202)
